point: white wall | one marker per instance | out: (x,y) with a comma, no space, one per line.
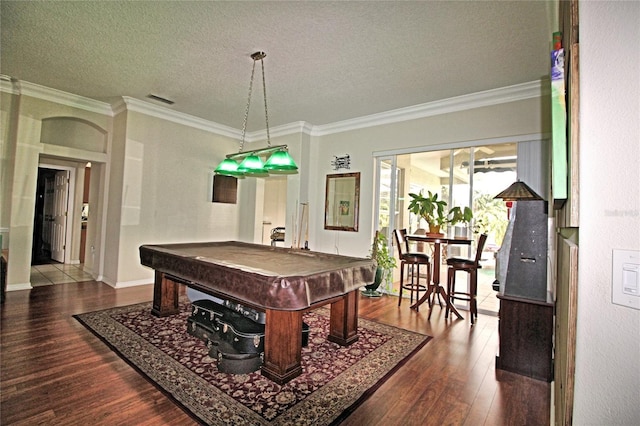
(523,117)
(8,110)
(21,151)
(165,184)
(607,387)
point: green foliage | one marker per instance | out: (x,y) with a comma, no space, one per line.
(430,208)
(490,217)
(380,252)
(460,215)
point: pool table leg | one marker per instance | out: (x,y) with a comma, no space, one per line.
(282,345)
(344,320)
(165,296)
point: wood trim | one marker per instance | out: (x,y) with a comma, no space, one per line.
(566,315)
(568,215)
(572,217)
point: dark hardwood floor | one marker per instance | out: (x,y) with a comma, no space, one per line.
(55,372)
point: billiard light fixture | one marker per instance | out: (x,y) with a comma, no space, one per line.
(251,162)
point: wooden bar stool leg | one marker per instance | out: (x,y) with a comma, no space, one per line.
(451,278)
(413,277)
(416,285)
(402,266)
(473,293)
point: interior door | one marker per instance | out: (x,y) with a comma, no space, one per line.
(47,216)
(59,220)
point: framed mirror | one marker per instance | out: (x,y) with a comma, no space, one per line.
(342,199)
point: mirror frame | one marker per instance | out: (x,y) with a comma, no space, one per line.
(342,202)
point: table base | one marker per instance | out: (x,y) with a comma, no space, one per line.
(283,329)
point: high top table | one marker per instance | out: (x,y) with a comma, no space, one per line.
(436,287)
(282,282)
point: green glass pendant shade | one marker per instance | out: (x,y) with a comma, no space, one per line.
(281,162)
(228,167)
(252,165)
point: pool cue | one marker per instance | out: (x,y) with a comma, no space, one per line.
(301,219)
(305,217)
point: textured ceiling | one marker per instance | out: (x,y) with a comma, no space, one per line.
(326,61)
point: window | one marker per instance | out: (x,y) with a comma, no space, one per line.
(463,177)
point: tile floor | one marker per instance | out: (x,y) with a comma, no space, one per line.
(57,273)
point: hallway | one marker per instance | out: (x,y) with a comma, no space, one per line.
(57,273)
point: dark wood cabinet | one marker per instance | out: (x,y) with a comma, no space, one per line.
(526,337)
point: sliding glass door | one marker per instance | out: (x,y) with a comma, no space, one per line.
(464,177)
(387,202)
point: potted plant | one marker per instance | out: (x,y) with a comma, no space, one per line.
(430,208)
(385,263)
(463,216)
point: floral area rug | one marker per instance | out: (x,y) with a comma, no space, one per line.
(334,381)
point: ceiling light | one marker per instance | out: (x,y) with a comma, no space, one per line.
(251,163)
(229,167)
(281,162)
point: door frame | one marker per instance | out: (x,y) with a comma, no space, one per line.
(70,203)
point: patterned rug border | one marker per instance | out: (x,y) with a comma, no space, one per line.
(127,344)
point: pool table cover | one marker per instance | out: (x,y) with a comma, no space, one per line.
(266,277)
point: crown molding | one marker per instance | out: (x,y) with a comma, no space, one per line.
(284,130)
(491,97)
(518,92)
(147,108)
(533,89)
(8,85)
(19,87)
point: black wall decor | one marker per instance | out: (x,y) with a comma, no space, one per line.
(343,162)
(225,189)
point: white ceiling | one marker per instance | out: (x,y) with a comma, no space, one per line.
(326,61)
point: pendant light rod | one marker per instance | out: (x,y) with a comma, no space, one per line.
(280,162)
(261,151)
(259,56)
(246,111)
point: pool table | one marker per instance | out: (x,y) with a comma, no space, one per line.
(281,282)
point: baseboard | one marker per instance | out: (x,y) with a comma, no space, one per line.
(21,286)
(134,283)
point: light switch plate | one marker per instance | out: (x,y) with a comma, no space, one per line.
(626,278)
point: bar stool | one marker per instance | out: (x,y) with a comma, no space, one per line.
(470,266)
(411,260)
